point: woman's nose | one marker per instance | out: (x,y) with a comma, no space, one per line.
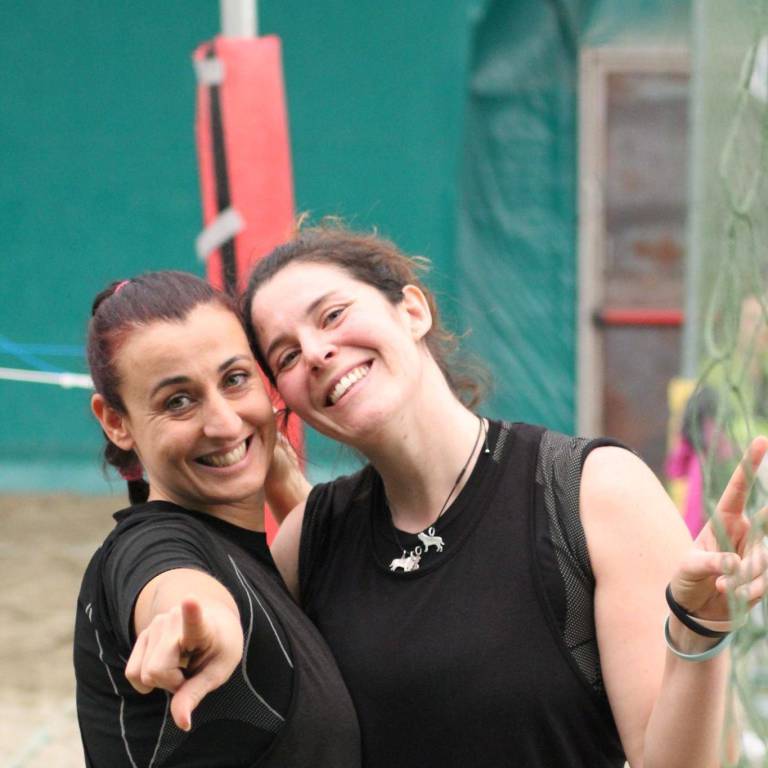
(318,352)
(221,419)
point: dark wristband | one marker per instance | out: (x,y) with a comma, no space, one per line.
(688,620)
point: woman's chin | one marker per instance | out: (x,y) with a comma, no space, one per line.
(359,432)
(241,488)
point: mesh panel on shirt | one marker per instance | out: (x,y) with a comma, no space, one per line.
(558,471)
(237,699)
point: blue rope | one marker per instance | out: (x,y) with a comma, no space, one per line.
(54,350)
(21,351)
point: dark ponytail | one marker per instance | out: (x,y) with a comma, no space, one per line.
(116,311)
(128,465)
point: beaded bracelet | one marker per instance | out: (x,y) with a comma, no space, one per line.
(710,653)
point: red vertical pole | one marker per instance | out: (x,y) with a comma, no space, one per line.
(244,159)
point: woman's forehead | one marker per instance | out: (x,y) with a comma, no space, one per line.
(207,333)
(294,293)
(302,282)
(306,274)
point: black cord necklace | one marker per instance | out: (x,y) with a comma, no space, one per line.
(409,561)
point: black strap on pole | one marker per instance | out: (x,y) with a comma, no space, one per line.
(223,201)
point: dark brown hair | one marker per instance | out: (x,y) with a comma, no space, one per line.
(380,264)
(118,310)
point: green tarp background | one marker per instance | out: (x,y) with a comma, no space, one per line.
(99,176)
(448,126)
(517,219)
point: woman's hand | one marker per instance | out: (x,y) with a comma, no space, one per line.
(189,650)
(711,571)
(285,486)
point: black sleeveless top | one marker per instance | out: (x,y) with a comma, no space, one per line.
(486,655)
(285,705)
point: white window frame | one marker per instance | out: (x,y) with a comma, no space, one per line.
(596,65)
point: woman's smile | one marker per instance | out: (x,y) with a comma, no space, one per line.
(225,457)
(346,382)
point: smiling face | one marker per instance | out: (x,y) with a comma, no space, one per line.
(196,411)
(345,358)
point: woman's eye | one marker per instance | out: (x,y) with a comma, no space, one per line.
(178,402)
(236,379)
(334,314)
(287,359)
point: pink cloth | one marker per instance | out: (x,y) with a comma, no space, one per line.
(683,462)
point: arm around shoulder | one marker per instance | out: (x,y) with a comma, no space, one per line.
(285,485)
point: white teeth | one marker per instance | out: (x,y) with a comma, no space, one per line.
(347,381)
(225,459)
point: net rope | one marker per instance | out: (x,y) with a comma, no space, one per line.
(734,333)
(40,371)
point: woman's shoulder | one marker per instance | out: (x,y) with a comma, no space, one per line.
(334,516)
(558,453)
(151,538)
(560,460)
(153,526)
(152,516)
(337,496)
(562,455)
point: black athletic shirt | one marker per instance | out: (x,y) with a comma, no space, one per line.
(286,704)
(486,655)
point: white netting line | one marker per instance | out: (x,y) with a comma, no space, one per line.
(63,379)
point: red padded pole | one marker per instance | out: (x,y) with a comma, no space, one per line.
(245,163)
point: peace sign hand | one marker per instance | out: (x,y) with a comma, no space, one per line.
(708,573)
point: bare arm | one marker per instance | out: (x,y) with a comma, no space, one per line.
(184,617)
(669,712)
(285,549)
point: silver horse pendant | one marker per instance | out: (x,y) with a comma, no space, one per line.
(408,562)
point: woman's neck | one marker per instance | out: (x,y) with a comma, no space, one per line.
(245,516)
(248,513)
(420,457)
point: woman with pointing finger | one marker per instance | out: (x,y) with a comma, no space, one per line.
(224,668)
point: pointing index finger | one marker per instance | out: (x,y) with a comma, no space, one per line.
(193,630)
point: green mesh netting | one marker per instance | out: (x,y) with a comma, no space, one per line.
(727,331)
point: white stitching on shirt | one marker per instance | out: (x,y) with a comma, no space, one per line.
(248,592)
(89,614)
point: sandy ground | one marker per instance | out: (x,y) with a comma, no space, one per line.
(45,543)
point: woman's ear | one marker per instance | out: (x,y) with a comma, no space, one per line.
(417,309)
(113,423)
